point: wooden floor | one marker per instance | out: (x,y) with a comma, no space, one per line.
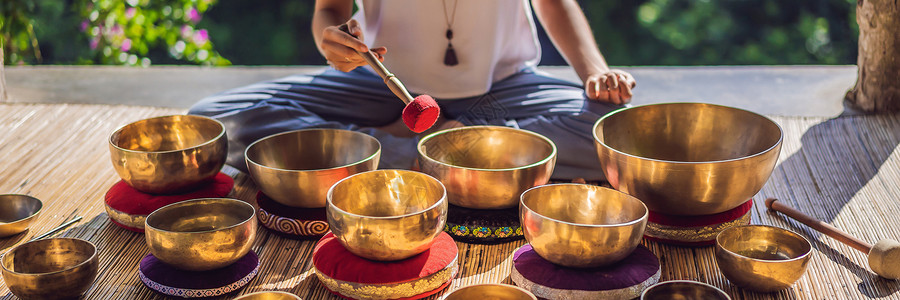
(845,171)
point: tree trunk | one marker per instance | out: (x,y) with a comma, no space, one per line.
(2,77)
(877,87)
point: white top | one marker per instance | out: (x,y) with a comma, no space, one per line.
(493,39)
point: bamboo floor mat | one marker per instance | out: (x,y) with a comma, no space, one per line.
(845,171)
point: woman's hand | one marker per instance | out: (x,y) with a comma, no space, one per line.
(613,86)
(340,48)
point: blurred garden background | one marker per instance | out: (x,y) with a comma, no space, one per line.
(277,32)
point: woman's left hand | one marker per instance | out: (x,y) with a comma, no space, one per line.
(613,86)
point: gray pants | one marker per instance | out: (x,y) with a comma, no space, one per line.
(359,100)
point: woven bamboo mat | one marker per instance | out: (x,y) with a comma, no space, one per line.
(844,171)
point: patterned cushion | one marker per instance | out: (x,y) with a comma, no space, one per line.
(128,207)
(350,276)
(483,226)
(291,222)
(165,279)
(623,280)
(695,231)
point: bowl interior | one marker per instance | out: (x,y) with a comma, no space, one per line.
(313,149)
(763,243)
(169,133)
(487,147)
(17,207)
(685,290)
(200,215)
(386,193)
(48,256)
(490,291)
(688,132)
(584,204)
(269,295)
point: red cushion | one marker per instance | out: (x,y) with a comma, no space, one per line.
(289,221)
(127,207)
(339,266)
(695,230)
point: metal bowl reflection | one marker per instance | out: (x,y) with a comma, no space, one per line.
(56,268)
(493,291)
(17,212)
(683,290)
(762,258)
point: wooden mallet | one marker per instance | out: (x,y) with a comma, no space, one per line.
(884,256)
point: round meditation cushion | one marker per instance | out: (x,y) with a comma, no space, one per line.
(291,222)
(483,226)
(128,207)
(695,231)
(165,279)
(353,277)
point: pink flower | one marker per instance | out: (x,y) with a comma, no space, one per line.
(130,12)
(126,45)
(201,37)
(186,31)
(94,43)
(84,25)
(194,15)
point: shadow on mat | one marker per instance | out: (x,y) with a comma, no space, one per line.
(837,159)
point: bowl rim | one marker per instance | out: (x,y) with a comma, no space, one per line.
(208,142)
(667,282)
(330,204)
(251,218)
(803,256)
(249,161)
(92,257)
(760,153)
(504,285)
(544,160)
(644,217)
(32,215)
(247,296)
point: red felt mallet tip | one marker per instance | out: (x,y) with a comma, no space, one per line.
(421,113)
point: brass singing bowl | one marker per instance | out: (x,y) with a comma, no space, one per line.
(297,168)
(762,258)
(56,268)
(17,212)
(580,225)
(171,154)
(683,290)
(269,295)
(201,234)
(687,158)
(493,291)
(487,167)
(387,215)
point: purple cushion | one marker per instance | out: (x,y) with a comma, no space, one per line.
(634,270)
(168,280)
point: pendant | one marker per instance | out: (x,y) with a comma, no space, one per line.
(450,56)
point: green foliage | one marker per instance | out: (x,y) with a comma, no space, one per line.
(17,35)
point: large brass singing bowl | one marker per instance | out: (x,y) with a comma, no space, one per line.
(762,258)
(201,234)
(269,295)
(492,291)
(171,154)
(687,158)
(683,290)
(17,212)
(582,226)
(57,268)
(487,167)
(297,168)
(387,214)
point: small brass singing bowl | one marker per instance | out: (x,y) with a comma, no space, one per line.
(17,212)
(492,291)
(269,295)
(201,234)
(168,155)
(56,268)
(487,167)
(387,215)
(687,158)
(580,225)
(683,290)
(762,258)
(297,168)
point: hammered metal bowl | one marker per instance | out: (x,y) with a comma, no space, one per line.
(580,225)
(492,291)
(387,215)
(201,234)
(762,258)
(17,212)
(269,295)
(56,268)
(297,168)
(687,158)
(683,290)
(487,167)
(169,155)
